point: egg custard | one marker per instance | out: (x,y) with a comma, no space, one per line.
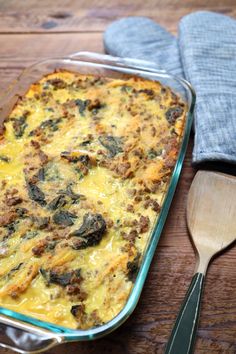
(85,163)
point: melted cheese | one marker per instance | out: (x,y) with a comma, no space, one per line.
(128,132)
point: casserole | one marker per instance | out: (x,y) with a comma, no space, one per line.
(118,69)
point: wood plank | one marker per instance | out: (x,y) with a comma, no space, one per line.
(92,15)
(22,50)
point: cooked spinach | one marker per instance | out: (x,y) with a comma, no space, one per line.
(154,153)
(51,245)
(14,269)
(49,109)
(76,309)
(19,125)
(63,279)
(85,142)
(75,197)
(82,105)
(41,174)
(22,212)
(90,232)
(126,88)
(29,235)
(84,159)
(111,143)
(63,217)
(45,274)
(36,194)
(57,202)
(51,125)
(79,172)
(11,228)
(173,113)
(4,158)
(133,268)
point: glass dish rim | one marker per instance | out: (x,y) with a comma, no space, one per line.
(129,66)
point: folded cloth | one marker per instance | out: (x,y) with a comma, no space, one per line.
(205,53)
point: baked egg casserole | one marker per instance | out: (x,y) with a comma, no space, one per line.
(85,163)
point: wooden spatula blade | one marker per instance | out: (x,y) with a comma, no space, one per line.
(211,210)
(211,217)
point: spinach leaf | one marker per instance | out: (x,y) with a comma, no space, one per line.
(173,113)
(57,202)
(50,125)
(82,105)
(41,174)
(4,158)
(64,218)
(29,235)
(111,143)
(63,279)
(19,125)
(133,268)
(75,197)
(36,194)
(90,232)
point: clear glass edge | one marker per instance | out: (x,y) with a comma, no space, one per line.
(129,66)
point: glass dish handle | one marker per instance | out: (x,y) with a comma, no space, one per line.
(24,338)
(123,62)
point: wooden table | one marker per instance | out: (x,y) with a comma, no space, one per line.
(32,30)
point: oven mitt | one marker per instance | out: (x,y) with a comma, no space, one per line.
(205,54)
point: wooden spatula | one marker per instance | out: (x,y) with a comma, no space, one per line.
(211,219)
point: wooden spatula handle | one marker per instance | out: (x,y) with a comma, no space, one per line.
(183,334)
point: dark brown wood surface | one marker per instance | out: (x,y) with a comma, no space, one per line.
(32,30)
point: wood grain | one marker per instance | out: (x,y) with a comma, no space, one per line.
(93,15)
(19,51)
(32,30)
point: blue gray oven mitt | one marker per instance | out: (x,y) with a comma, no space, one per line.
(205,54)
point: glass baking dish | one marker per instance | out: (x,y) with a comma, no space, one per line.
(25,334)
